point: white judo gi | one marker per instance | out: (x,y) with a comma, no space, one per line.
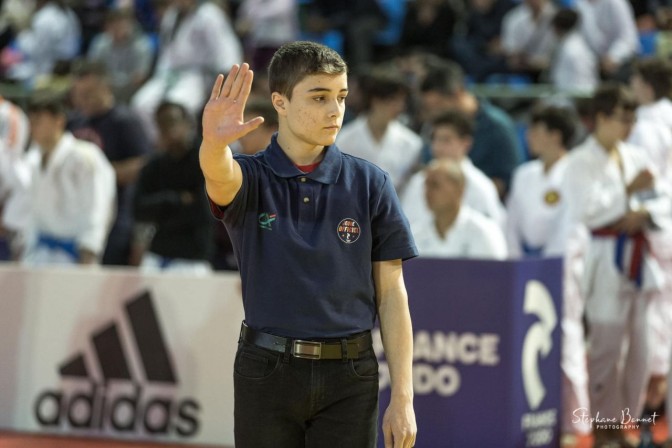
(480,194)
(397,153)
(14,174)
(73,203)
(616,306)
(534,206)
(472,235)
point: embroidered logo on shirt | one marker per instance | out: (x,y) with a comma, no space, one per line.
(266,220)
(552,197)
(348,230)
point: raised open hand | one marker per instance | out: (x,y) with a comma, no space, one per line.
(223,121)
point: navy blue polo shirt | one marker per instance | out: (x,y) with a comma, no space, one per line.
(305,243)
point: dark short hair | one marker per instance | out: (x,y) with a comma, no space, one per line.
(565,19)
(612,95)
(555,118)
(383,85)
(457,120)
(446,78)
(293,61)
(263,107)
(83,67)
(47,101)
(656,72)
(119,14)
(167,105)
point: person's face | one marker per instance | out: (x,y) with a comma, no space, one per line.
(314,115)
(433,103)
(88,94)
(120,30)
(535,5)
(44,126)
(618,125)
(184,5)
(540,138)
(641,90)
(448,144)
(441,192)
(175,131)
(481,6)
(392,106)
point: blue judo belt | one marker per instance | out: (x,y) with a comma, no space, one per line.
(532,251)
(63,244)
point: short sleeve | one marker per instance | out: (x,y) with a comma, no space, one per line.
(391,233)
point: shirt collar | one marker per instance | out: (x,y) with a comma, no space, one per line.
(282,166)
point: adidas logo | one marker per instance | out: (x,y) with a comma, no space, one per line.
(118,401)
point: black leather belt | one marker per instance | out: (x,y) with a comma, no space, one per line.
(331,349)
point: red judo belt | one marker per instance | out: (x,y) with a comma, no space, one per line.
(639,245)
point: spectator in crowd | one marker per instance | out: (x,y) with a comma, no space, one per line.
(119,132)
(610,189)
(534,206)
(528,38)
(72,192)
(496,148)
(452,137)
(610,30)
(479,51)
(54,35)
(357,20)
(455,230)
(574,66)
(196,42)
(376,134)
(14,177)
(170,196)
(126,52)
(264,26)
(651,83)
(429,25)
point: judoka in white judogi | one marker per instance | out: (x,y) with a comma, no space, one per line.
(72,203)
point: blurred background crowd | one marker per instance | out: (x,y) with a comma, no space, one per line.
(470,106)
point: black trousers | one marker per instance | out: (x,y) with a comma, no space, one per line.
(287,402)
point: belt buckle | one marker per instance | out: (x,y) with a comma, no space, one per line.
(307,349)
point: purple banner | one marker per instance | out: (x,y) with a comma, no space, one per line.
(486,352)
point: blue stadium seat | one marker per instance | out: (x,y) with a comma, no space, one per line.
(332,39)
(396,11)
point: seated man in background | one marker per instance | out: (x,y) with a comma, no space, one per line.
(119,133)
(496,150)
(455,230)
(169,196)
(452,137)
(72,192)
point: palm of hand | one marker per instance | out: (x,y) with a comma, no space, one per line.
(223,114)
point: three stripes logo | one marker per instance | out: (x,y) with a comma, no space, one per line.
(115,399)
